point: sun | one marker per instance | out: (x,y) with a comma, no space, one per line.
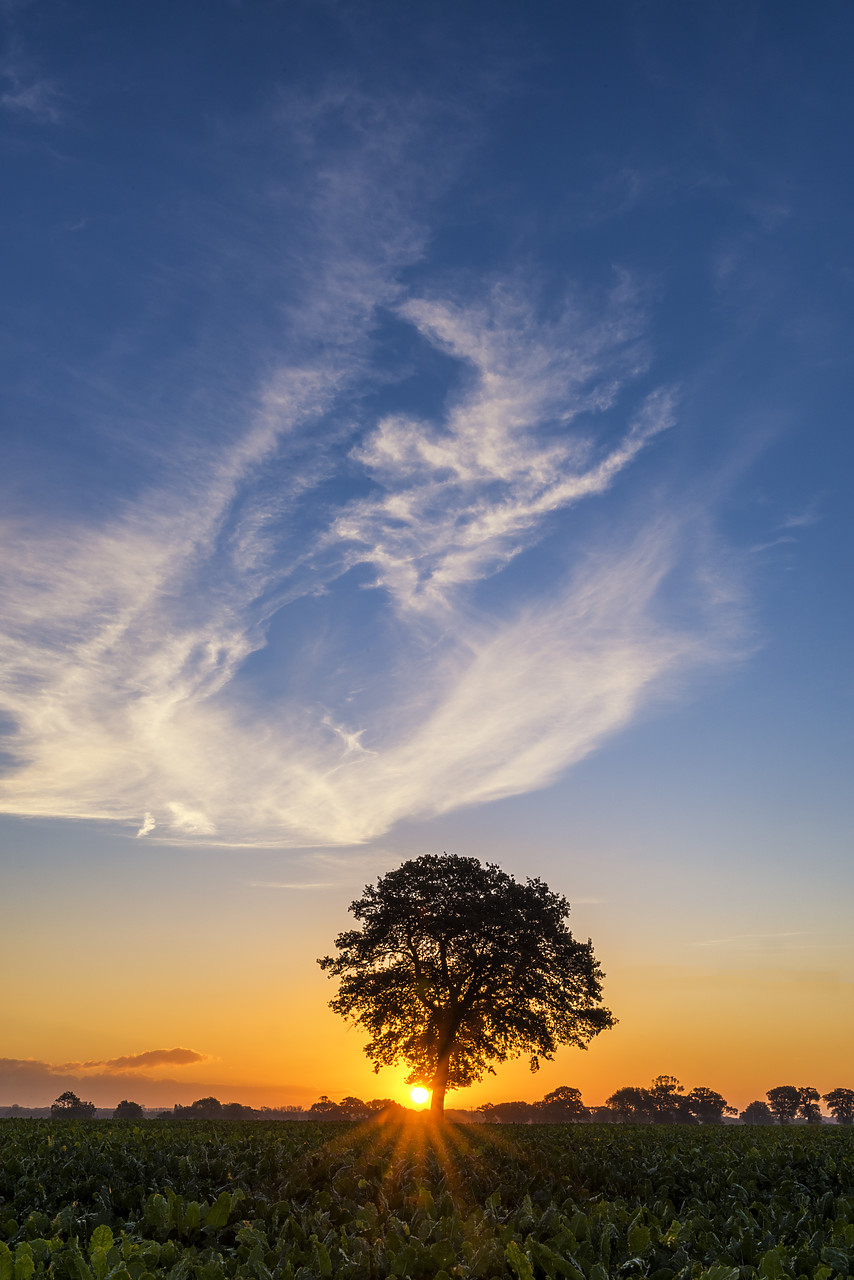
(419,1095)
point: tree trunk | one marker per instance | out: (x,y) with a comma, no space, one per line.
(439,1085)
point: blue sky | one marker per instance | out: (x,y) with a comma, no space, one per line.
(429,427)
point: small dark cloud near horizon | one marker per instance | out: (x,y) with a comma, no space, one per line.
(150,1058)
(128,1062)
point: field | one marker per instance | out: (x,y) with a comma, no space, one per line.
(192,1201)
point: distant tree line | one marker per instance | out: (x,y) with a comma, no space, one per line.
(353,1109)
(664,1102)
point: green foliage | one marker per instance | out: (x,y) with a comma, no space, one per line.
(253,1201)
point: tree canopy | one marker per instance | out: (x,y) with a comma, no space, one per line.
(841,1105)
(788,1101)
(663,1103)
(127,1110)
(69,1107)
(456,966)
(757,1113)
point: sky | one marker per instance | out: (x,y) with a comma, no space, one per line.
(426,427)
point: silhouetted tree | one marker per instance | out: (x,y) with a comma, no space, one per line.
(757,1113)
(201,1109)
(662,1103)
(563,1105)
(385,1107)
(69,1107)
(706,1106)
(809,1108)
(457,965)
(236,1111)
(633,1104)
(785,1102)
(127,1110)
(207,1108)
(508,1112)
(840,1103)
(669,1107)
(354,1109)
(325,1109)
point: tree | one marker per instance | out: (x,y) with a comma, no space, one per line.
(841,1105)
(562,1105)
(69,1107)
(325,1109)
(632,1104)
(127,1110)
(756,1113)
(785,1102)
(457,966)
(236,1111)
(201,1109)
(386,1108)
(508,1112)
(668,1106)
(354,1109)
(706,1106)
(809,1108)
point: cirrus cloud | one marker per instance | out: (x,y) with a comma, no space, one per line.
(308,628)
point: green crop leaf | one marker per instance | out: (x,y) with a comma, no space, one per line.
(24,1262)
(719,1272)
(518,1261)
(771,1266)
(321,1253)
(553,1263)
(219,1212)
(157,1212)
(7,1262)
(72,1262)
(101,1238)
(443,1254)
(639,1239)
(671,1237)
(837,1259)
(425,1200)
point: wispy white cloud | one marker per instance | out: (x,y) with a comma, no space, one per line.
(460,500)
(29,94)
(783,939)
(148,824)
(802,519)
(127,647)
(774,542)
(291,884)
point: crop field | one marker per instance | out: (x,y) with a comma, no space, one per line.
(121,1201)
